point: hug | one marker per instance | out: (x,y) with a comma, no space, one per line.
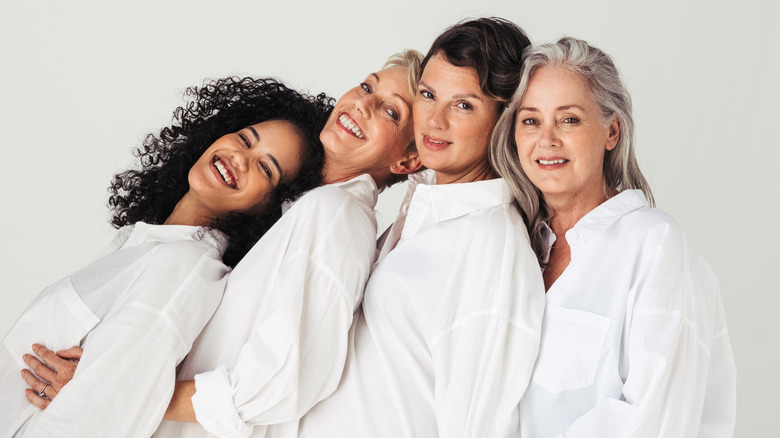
(527,287)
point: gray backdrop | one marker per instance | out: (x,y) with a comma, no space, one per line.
(83,82)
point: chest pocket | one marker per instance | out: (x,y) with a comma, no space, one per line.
(571,346)
(58,319)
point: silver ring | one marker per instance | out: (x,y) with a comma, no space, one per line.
(41,392)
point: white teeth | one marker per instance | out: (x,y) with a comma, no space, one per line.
(561,161)
(223,172)
(346,122)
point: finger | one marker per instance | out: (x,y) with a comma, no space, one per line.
(72,353)
(39,368)
(49,357)
(33,398)
(32,380)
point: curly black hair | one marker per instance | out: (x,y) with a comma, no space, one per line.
(217,108)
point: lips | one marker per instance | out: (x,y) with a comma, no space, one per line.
(349,124)
(223,170)
(435,144)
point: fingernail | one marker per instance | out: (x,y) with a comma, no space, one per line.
(25,357)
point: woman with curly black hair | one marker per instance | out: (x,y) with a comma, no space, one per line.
(208,188)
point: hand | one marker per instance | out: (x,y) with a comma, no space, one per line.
(51,374)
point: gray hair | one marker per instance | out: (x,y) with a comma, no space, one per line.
(621,171)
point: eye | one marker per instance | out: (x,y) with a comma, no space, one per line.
(266,169)
(464,105)
(393,113)
(426,94)
(571,120)
(365,87)
(245,140)
(530,122)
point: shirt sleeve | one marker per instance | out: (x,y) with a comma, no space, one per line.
(295,354)
(483,363)
(678,363)
(126,376)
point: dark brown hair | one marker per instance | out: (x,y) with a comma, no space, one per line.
(491,46)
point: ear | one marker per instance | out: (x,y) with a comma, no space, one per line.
(614,133)
(406,165)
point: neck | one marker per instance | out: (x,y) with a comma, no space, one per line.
(187,212)
(569,209)
(480,172)
(335,174)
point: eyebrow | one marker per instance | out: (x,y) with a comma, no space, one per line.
(456,96)
(564,107)
(252,128)
(375,76)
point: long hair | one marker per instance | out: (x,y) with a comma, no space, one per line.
(217,108)
(621,170)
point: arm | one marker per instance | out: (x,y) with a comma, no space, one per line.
(126,375)
(292,360)
(676,342)
(180,407)
(294,355)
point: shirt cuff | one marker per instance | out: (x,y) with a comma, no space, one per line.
(214,406)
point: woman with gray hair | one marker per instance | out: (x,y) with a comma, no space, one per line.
(634,340)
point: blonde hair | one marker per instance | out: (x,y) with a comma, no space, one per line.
(411,60)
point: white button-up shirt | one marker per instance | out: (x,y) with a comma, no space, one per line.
(277,343)
(449,328)
(138,309)
(634,340)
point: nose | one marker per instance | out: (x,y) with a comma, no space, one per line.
(436,118)
(549,136)
(240,158)
(363,105)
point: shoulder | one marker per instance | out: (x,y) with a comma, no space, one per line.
(186,252)
(334,202)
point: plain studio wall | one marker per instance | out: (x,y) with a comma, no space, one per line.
(83,82)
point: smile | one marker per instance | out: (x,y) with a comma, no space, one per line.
(347,123)
(223,171)
(435,144)
(550,162)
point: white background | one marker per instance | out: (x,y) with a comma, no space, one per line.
(82,82)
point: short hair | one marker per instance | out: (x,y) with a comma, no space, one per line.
(411,60)
(621,170)
(220,107)
(492,46)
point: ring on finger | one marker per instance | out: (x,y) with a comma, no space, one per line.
(42,393)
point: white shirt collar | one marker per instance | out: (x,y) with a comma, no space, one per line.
(363,187)
(598,220)
(450,201)
(143,232)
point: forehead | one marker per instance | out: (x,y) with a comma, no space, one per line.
(559,84)
(394,80)
(441,72)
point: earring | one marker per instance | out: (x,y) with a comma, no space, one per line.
(394,166)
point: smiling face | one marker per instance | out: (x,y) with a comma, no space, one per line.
(369,128)
(453,120)
(561,137)
(238,171)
